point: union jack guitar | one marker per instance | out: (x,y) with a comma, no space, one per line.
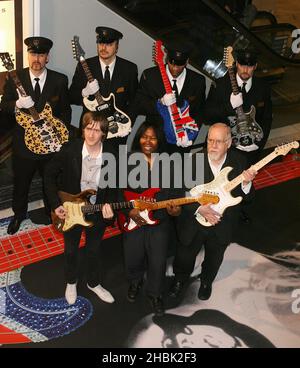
(179,127)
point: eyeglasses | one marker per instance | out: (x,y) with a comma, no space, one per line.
(217,141)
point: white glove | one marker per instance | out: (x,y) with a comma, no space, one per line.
(24,102)
(168,99)
(91,88)
(236,100)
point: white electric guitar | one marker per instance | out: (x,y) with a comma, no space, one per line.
(119,122)
(222,187)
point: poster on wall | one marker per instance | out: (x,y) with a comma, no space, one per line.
(7,29)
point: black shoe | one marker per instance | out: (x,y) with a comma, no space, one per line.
(133,290)
(176,288)
(157,305)
(204,292)
(14,225)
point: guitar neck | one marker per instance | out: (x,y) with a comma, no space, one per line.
(35,115)
(176,202)
(167,85)
(90,78)
(92,208)
(239,179)
(235,89)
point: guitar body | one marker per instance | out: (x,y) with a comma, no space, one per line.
(185,119)
(245,130)
(127,224)
(218,186)
(119,122)
(73,205)
(43,136)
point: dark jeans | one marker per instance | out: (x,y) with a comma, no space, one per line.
(93,241)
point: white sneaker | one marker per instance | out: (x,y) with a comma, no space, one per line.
(102,293)
(71,293)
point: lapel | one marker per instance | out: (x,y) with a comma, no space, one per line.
(77,159)
(186,85)
(27,83)
(114,81)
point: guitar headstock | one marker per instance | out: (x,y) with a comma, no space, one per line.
(78,52)
(158,53)
(208,198)
(228,58)
(7,61)
(285,148)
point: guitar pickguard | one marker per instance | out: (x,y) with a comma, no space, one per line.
(119,122)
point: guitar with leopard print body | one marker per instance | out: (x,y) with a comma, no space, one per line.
(44,133)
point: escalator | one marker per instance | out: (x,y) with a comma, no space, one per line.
(209,27)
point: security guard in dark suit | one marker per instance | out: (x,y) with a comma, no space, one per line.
(111,73)
(41,85)
(221,102)
(189,86)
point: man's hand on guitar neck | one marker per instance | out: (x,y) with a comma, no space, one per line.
(107,212)
(90,89)
(248,176)
(60,212)
(209,214)
(168,99)
(24,102)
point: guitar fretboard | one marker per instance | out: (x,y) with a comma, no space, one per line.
(90,78)
(35,245)
(91,208)
(18,84)
(235,89)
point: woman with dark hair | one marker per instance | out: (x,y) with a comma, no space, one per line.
(145,246)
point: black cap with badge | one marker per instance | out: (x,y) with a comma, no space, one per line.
(38,45)
(107,35)
(246,57)
(178,52)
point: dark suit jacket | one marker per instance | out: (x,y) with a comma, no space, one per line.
(151,89)
(55,92)
(123,82)
(218,106)
(63,172)
(188,226)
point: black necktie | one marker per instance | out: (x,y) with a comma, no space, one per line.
(243,89)
(106,80)
(37,90)
(175,89)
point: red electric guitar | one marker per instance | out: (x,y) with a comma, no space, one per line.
(127,224)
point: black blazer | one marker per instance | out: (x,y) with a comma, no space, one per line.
(63,172)
(55,92)
(188,226)
(151,89)
(218,106)
(123,82)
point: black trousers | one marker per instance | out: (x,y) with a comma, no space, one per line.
(145,250)
(24,170)
(186,255)
(93,241)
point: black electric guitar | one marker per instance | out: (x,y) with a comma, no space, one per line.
(43,132)
(245,130)
(119,122)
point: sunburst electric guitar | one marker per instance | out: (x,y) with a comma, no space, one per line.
(43,132)
(119,122)
(223,187)
(146,206)
(179,127)
(245,130)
